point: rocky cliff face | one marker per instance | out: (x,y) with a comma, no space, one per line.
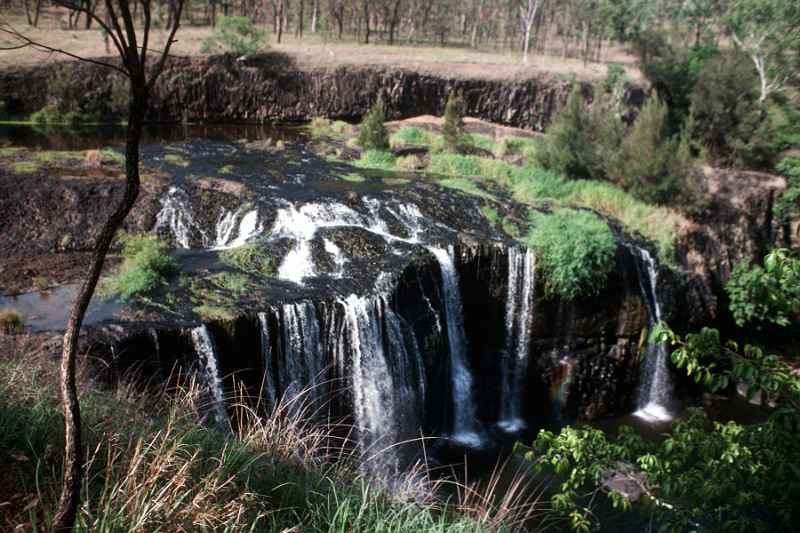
(269,88)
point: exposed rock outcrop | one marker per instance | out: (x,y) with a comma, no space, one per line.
(270,88)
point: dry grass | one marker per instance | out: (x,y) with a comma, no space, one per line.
(322,52)
(153,466)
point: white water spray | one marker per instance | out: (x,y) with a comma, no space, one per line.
(464,430)
(519,302)
(655,387)
(204,346)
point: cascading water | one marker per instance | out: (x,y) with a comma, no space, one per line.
(301,225)
(519,301)
(176,216)
(235,228)
(204,347)
(339,260)
(464,430)
(655,388)
(300,369)
(270,393)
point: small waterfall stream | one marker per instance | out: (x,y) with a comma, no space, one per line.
(301,370)
(176,216)
(519,303)
(655,389)
(204,347)
(464,430)
(268,385)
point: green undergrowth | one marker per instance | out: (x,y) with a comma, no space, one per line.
(146,265)
(152,465)
(376,159)
(574,249)
(335,129)
(251,258)
(467,186)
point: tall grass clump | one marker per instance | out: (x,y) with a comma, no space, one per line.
(376,159)
(250,258)
(373,135)
(11,321)
(146,263)
(409,136)
(536,186)
(575,250)
(152,465)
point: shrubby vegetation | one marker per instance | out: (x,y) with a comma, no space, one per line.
(235,35)
(250,258)
(146,263)
(646,160)
(788,204)
(373,134)
(453,127)
(766,294)
(11,322)
(574,249)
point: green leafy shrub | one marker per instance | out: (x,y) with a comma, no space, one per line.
(250,258)
(575,250)
(453,127)
(516,146)
(788,203)
(324,127)
(373,135)
(455,165)
(11,322)
(376,159)
(769,294)
(727,117)
(145,265)
(237,35)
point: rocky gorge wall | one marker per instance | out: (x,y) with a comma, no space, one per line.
(270,88)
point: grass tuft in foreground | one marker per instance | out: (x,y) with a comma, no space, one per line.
(152,465)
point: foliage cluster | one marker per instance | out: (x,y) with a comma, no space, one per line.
(769,294)
(787,204)
(373,135)
(251,258)
(647,161)
(236,35)
(146,263)
(574,249)
(11,322)
(453,127)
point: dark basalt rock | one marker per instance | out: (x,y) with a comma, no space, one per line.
(223,89)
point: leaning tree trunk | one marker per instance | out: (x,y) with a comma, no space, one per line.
(73,450)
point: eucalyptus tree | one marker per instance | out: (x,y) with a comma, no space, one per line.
(768,31)
(133,46)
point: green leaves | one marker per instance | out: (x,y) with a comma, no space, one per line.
(237,35)
(768,294)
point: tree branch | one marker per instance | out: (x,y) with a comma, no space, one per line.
(43,47)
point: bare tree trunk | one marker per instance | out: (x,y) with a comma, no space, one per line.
(73,450)
(314,16)
(300,19)
(366,21)
(280,20)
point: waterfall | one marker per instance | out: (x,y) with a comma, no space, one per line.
(301,225)
(339,260)
(519,301)
(204,346)
(270,393)
(464,430)
(176,215)
(655,388)
(387,380)
(235,228)
(300,370)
